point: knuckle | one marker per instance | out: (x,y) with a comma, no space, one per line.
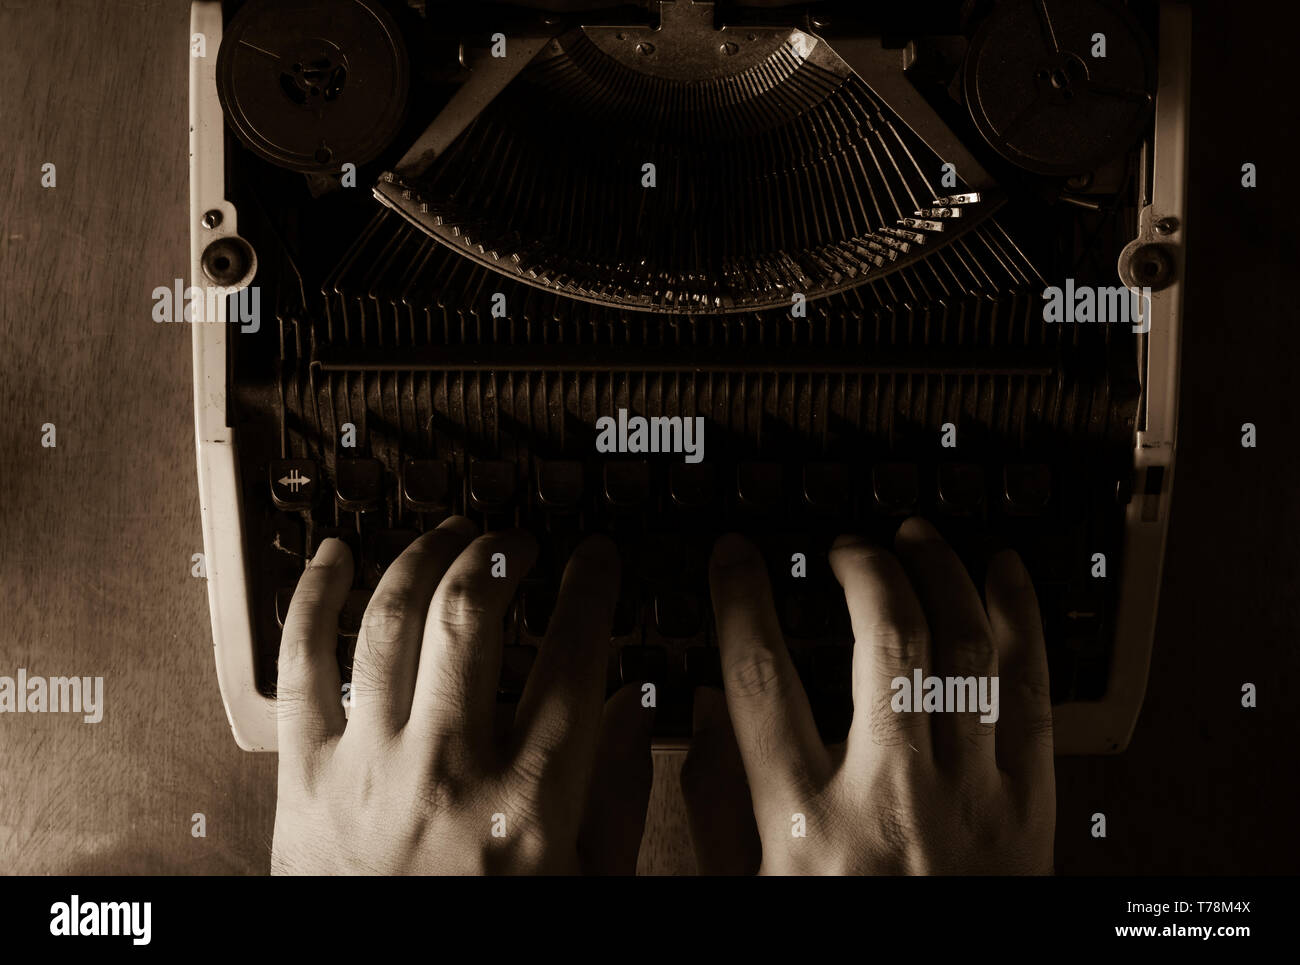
(1040,729)
(969,650)
(864,556)
(459,607)
(1032,690)
(527,847)
(755,673)
(897,647)
(386,615)
(534,762)
(528,769)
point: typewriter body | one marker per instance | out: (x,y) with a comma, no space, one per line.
(829,234)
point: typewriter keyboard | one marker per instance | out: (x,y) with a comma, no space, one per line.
(664,517)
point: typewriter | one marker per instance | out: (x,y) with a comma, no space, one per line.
(868,248)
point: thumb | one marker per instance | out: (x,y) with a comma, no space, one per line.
(718,803)
(614,822)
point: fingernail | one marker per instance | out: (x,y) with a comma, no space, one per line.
(461,525)
(331,552)
(849,539)
(917,529)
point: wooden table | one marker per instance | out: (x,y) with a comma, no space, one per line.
(96,535)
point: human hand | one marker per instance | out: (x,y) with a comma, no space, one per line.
(421,777)
(907,792)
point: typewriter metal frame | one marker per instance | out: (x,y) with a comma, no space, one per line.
(1081,727)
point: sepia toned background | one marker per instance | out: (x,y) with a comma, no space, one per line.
(96,535)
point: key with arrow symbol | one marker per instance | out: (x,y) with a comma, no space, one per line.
(293,483)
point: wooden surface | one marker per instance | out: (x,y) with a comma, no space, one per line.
(96,535)
(98,532)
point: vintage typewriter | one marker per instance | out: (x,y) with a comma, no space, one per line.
(447,239)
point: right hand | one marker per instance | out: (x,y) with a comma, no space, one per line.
(906,793)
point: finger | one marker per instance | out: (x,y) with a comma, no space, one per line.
(774,726)
(460,655)
(719,811)
(309,709)
(614,821)
(388,645)
(891,644)
(961,644)
(559,710)
(1024,729)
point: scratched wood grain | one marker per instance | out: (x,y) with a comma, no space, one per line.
(96,535)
